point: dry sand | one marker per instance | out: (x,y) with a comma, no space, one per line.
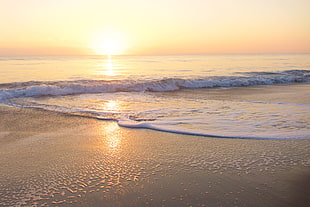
(52,159)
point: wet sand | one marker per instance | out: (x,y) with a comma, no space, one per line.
(52,159)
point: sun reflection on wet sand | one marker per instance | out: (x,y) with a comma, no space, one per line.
(113,136)
(111,133)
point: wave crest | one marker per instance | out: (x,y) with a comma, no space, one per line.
(61,88)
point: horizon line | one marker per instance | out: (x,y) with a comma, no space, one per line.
(167,54)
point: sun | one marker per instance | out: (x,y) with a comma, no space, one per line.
(109,43)
(108,47)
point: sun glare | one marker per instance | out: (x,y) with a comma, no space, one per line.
(109,43)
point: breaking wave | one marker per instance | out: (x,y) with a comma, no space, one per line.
(61,88)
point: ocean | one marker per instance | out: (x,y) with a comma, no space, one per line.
(188,94)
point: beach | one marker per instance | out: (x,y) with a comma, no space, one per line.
(154,103)
(58,159)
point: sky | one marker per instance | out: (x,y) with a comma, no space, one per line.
(153,27)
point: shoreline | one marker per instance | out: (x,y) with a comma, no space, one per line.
(291,94)
(49,159)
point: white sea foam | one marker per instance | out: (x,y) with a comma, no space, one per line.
(227,118)
(239,132)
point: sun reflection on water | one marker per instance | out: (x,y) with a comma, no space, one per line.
(107,67)
(111,106)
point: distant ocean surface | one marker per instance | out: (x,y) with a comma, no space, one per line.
(166,93)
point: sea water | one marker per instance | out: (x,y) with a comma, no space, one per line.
(179,94)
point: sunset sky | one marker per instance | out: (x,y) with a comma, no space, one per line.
(73,27)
